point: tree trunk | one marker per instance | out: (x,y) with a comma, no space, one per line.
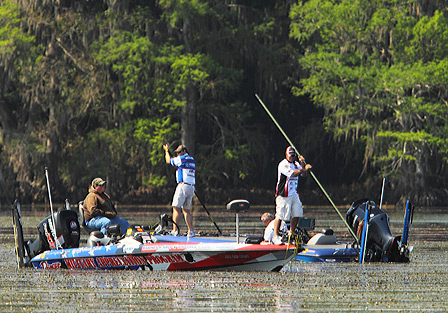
(188,119)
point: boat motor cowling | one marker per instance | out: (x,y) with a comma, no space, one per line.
(67,232)
(381,245)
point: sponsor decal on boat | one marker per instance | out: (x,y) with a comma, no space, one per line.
(237,256)
(47,265)
(119,261)
(129,249)
(73,225)
(170,258)
(81,263)
(169,247)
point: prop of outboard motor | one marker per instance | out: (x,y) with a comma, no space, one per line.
(380,245)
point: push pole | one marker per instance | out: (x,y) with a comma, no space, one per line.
(311,173)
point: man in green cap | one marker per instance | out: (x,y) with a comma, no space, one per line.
(99,210)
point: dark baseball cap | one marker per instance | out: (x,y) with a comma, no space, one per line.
(180,148)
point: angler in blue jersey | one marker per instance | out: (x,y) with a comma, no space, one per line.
(185,177)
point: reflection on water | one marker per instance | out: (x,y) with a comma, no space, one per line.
(420,286)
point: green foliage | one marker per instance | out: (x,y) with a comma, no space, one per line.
(129,56)
(178,10)
(12,37)
(96,89)
(190,69)
(429,41)
(372,67)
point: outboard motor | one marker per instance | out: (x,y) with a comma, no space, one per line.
(67,232)
(381,245)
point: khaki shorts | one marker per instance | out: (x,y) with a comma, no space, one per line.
(183,196)
(288,207)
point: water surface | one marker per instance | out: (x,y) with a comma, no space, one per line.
(420,286)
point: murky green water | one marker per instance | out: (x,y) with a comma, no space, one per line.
(420,286)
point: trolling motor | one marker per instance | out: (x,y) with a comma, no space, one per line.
(161,227)
(380,244)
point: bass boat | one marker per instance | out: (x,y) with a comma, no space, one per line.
(57,246)
(377,245)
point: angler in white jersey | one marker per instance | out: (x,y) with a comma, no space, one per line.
(185,177)
(288,204)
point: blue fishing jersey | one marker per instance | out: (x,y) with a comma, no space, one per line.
(185,169)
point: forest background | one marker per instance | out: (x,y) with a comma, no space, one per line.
(94,88)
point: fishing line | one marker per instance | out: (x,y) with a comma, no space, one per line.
(311,173)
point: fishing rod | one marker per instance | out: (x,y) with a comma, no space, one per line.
(311,173)
(53,228)
(209,215)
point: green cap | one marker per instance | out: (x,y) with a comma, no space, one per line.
(98,182)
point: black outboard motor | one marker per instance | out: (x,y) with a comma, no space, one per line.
(381,245)
(67,231)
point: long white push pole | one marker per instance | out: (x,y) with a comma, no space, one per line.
(53,229)
(312,175)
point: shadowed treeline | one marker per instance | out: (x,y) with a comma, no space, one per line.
(95,88)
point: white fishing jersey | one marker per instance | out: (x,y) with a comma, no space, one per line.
(287,185)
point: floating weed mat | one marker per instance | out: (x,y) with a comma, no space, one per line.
(419,286)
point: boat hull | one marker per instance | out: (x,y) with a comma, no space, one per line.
(170,257)
(328,253)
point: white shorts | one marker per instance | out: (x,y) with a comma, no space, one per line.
(288,207)
(183,196)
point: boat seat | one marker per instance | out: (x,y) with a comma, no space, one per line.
(254,239)
(326,237)
(238,205)
(111,229)
(82,221)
